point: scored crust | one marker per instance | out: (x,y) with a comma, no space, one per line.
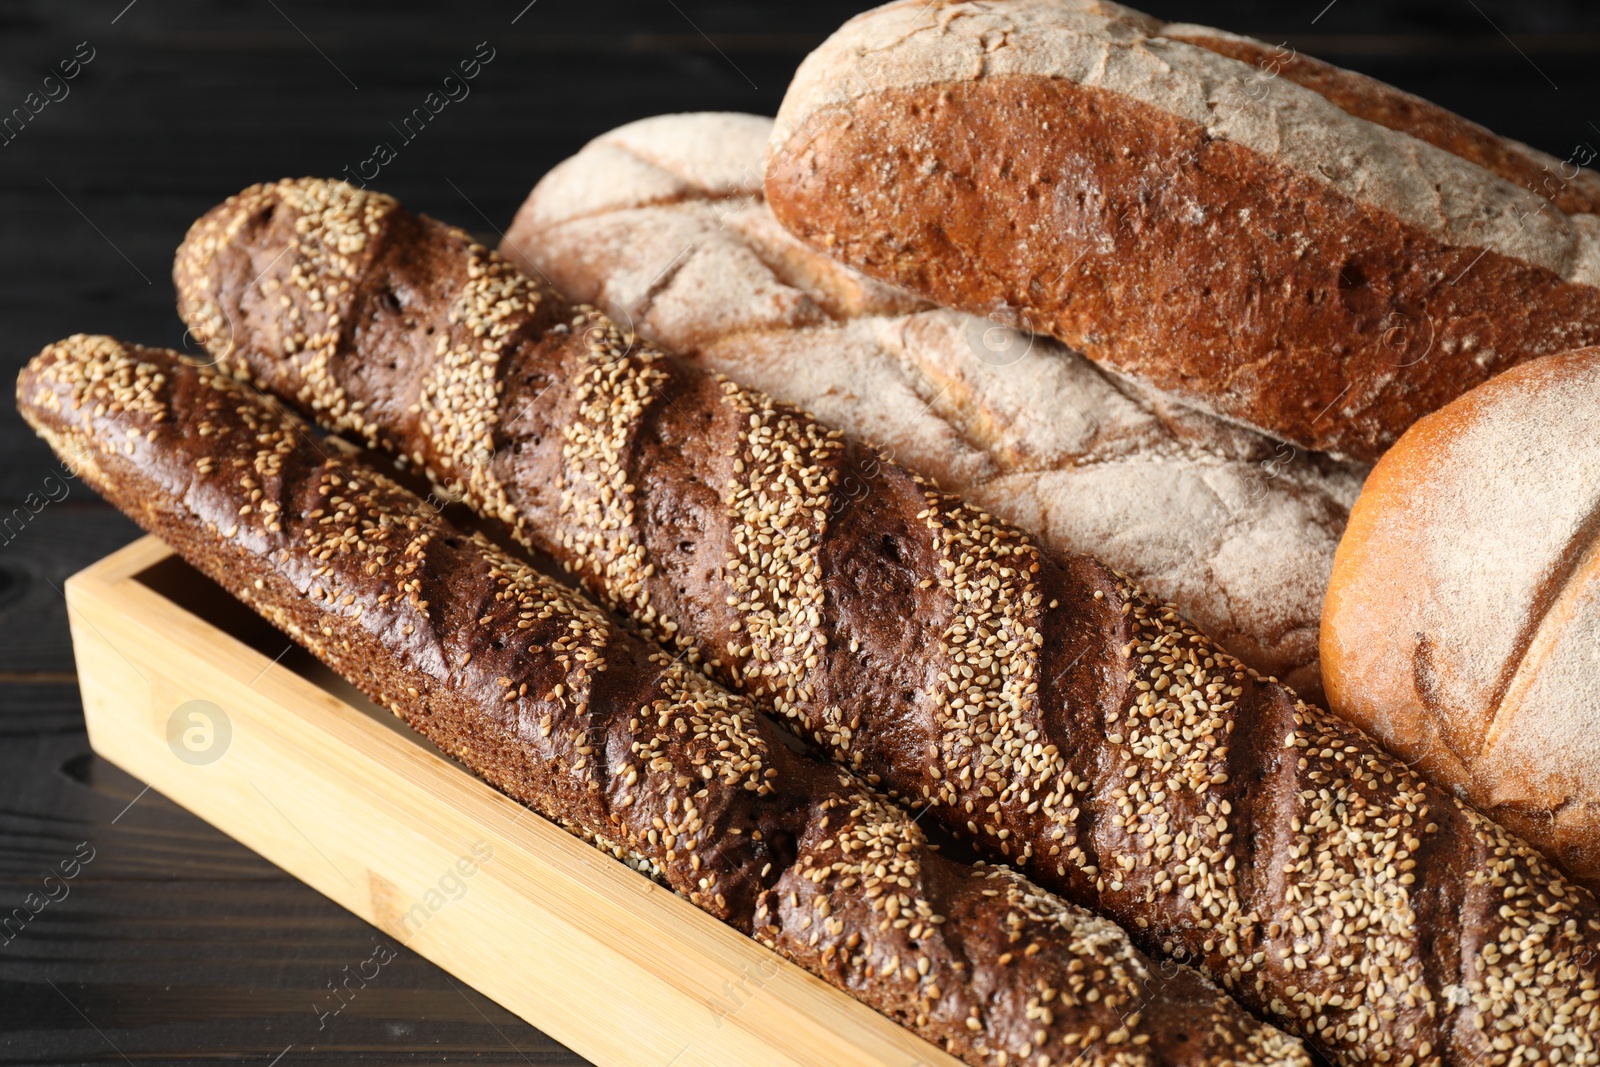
(1230,236)
(1049,714)
(1462,624)
(662,224)
(536,689)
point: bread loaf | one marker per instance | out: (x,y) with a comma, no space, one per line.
(662,225)
(532,687)
(1463,627)
(1288,244)
(1038,705)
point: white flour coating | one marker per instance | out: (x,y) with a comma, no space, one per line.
(1232,527)
(1586,257)
(915,43)
(723,160)
(1552,708)
(1501,529)
(1588,181)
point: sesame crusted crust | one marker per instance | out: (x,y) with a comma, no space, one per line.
(1052,715)
(614,387)
(784,473)
(334,225)
(457,404)
(535,689)
(992,748)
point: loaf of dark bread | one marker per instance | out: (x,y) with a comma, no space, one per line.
(1294,246)
(1038,704)
(532,687)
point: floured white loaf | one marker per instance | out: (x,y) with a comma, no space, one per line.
(662,224)
(1463,619)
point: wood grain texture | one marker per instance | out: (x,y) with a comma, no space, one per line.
(180,944)
(334,790)
(183,946)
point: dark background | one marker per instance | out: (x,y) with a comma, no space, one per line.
(176,944)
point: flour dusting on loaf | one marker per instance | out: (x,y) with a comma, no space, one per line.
(1513,504)
(1102,45)
(1463,620)
(1237,530)
(1260,234)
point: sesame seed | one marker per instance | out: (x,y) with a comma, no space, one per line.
(786,471)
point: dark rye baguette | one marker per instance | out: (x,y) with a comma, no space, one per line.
(1291,245)
(1041,706)
(531,685)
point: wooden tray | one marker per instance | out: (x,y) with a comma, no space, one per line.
(291,761)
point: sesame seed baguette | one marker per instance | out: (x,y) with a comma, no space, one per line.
(1043,708)
(534,688)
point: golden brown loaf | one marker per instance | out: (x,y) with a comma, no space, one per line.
(1294,246)
(1463,621)
(662,225)
(534,688)
(1036,704)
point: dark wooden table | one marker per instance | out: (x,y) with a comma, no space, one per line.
(175,944)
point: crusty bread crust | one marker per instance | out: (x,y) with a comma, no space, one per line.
(1572,190)
(661,224)
(1038,705)
(535,689)
(1461,625)
(1233,238)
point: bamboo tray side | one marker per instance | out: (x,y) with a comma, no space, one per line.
(341,795)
